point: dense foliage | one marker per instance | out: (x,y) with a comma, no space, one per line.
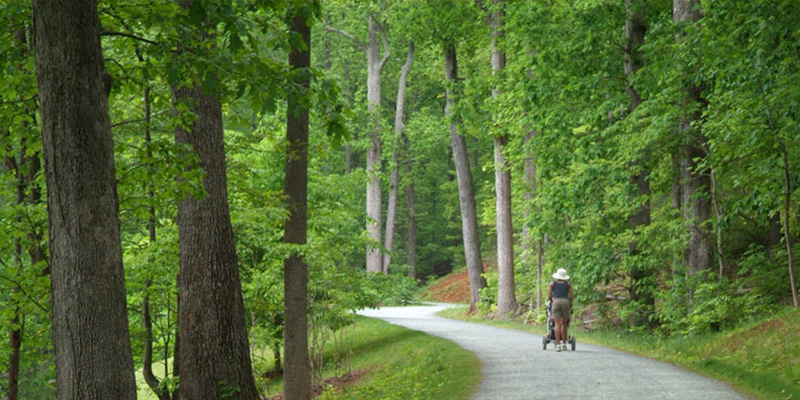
(564,85)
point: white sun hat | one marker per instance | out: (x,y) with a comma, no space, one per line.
(561,274)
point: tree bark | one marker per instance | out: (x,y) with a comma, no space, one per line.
(214,354)
(527,238)
(787,198)
(374,67)
(506,292)
(15,334)
(411,247)
(297,373)
(147,361)
(640,290)
(695,181)
(466,193)
(391,208)
(90,331)
(23,183)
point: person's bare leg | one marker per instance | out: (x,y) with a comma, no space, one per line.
(558,332)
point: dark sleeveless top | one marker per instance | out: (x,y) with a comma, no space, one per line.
(561,290)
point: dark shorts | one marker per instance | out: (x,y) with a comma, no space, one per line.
(561,308)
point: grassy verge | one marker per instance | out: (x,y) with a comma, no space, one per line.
(761,359)
(406,364)
(397,363)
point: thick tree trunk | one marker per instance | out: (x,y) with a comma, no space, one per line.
(506,291)
(506,295)
(374,66)
(391,208)
(297,375)
(214,349)
(466,193)
(214,354)
(640,290)
(695,181)
(90,331)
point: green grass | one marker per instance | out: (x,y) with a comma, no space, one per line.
(398,363)
(143,391)
(760,359)
(406,364)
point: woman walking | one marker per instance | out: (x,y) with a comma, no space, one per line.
(560,296)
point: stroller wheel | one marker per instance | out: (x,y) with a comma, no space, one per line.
(544,342)
(572,342)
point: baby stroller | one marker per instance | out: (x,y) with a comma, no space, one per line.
(551,330)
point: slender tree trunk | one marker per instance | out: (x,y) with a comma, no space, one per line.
(787,203)
(15,335)
(540,267)
(375,63)
(787,199)
(147,369)
(466,193)
(147,361)
(350,156)
(176,360)
(297,375)
(641,291)
(90,331)
(23,181)
(718,211)
(506,291)
(412,212)
(374,66)
(214,354)
(694,179)
(391,208)
(529,247)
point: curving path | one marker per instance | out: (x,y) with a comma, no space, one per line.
(514,366)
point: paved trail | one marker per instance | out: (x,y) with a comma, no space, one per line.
(515,367)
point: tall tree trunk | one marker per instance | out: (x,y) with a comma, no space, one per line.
(350,156)
(374,67)
(297,375)
(391,208)
(506,292)
(787,203)
(147,361)
(787,199)
(640,290)
(466,193)
(90,331)
(214,354)
(15,334)
(528,248)
(16,166)
(695,180)
(411,247)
